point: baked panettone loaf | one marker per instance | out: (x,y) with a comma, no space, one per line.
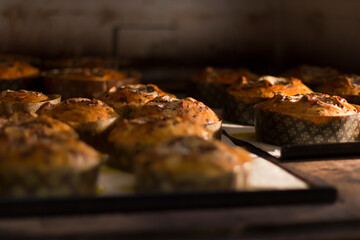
(306,119)
(17,75)
(128,98)
(85,82)
(192,164)
(130,137)
(23,100)
(188,109)
(91,118)
(346,86)
(209,85)
(30,125)
(47,167)
(241,97)
(312,76)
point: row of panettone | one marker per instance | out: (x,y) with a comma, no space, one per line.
(87,78)
(168,143)
(283,109)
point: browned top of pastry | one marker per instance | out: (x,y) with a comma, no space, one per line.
(10,69)
(22,96)
(342,85)
(223,75)
(87,74)
(316,104)
(79,110)
(152,131)
(187,108)
(46,154)
(194,155)
(132,94)
(312,75)
(267,86)
(29,125)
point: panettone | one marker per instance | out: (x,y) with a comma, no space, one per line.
(130,137)
(241,97)
(129,98)
(188,109)
(22,96)
(23,100)
(29,125)
(312,76)
(91,118)
(85,82)
(346,86)
(17,75)
(306,119)
(192,164)
(209,85)
(47,167)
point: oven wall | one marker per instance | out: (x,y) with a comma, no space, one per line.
(272,34)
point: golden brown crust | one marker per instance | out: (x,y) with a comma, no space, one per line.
(10,69)
(87,74)
(313,104)
(187,108)
(267,86)
(46,154)
(312,75)
(132,94)
(223,75)
(192,154)
(31,126)
(144,132)
(75,111)
(22,96)
(342,85)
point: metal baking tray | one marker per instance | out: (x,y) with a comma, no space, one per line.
(269,184)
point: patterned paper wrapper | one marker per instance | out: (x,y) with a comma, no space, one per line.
(215,128)
(83,88)
(96,133)
(28,83)
(8,108)
(122,158)
(240,110)
(55,182)
(212,94)
(284,129)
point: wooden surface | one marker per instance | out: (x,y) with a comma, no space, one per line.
(327,221)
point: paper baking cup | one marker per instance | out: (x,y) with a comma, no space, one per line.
(215,128)
(8,108)
(69,88)
(241,111)
(95,133)
(285,129)
(24,182)
(212,94)
(160,180)
(123,158)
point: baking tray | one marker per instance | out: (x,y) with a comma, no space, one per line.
(245,136)
(270,184)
